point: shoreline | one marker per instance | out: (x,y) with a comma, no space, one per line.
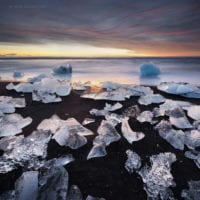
(105,176)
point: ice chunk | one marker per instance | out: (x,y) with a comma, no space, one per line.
(194,191)
(195,156)
(94,198)
(151,98)
(146,116)
(21,87)
(74,193)
(65,138)
(177,118)
(88,121)
(98,150)
(129,134)
(158,178)
(26,186)
(182,89)
(97,112)
(194,112)
(37,78)
(18,74)
(192,139)
(107,134)
(133,161)
(175,137)
(132,111)
(62,70)
(109,107)
(7,108)
(114,118)
(53,184)
(149,69)
(12,124)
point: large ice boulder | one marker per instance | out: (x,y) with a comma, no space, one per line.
(63,70)
(149,69)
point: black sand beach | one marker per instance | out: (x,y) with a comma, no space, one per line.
(106,176)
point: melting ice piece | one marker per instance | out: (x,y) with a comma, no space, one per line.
(97,112)
(151,98)
(74,193)
(192,139)
(129,134)
(62,70)
(53,184)
(145,116)
(158,178)
(94,198)
(16,102)
(88,121)
(195,156)
(12,124)
(114,107)
(98,150)
(26,186)
(132,111)
(21,87)
(18,74)
(133,161)
(149,70)
(45,97)
(175,137)
(194,191)
(194,112)
(24,151)
(65,138)
(177,118)
(107,134)
(182,89)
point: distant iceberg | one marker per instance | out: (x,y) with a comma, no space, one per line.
(18,74)
(63,70)
(149,69)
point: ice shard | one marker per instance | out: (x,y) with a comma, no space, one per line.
(151,98)
(98,150)
(193,193)
(88,121)
(110,107)
(177,118)
(53,184)
(194,112)
(106,134)
(26,186)
(175,137)
(129,134)
(133,161)
(12,124)
(97,112)
(158,178)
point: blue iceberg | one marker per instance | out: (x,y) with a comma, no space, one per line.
(149,69)
(62,70)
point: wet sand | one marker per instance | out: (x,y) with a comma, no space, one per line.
(103,177)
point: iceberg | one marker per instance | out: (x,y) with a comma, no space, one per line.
(107,134)
(175,137)
(151,98)
(26,186)
(158,178)
(133,161)
(110,107)
(193,193)
(74,193)
(149,70)
(53,184)
(182,89)
(177,118)
(98,150)
(62,70)
(18,74)
(129,134)
(194,112)
(12,124)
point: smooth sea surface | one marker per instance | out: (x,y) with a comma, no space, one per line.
(126,70)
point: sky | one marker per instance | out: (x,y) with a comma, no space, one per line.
(99,28)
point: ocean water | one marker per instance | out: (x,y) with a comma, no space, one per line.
(125,71)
